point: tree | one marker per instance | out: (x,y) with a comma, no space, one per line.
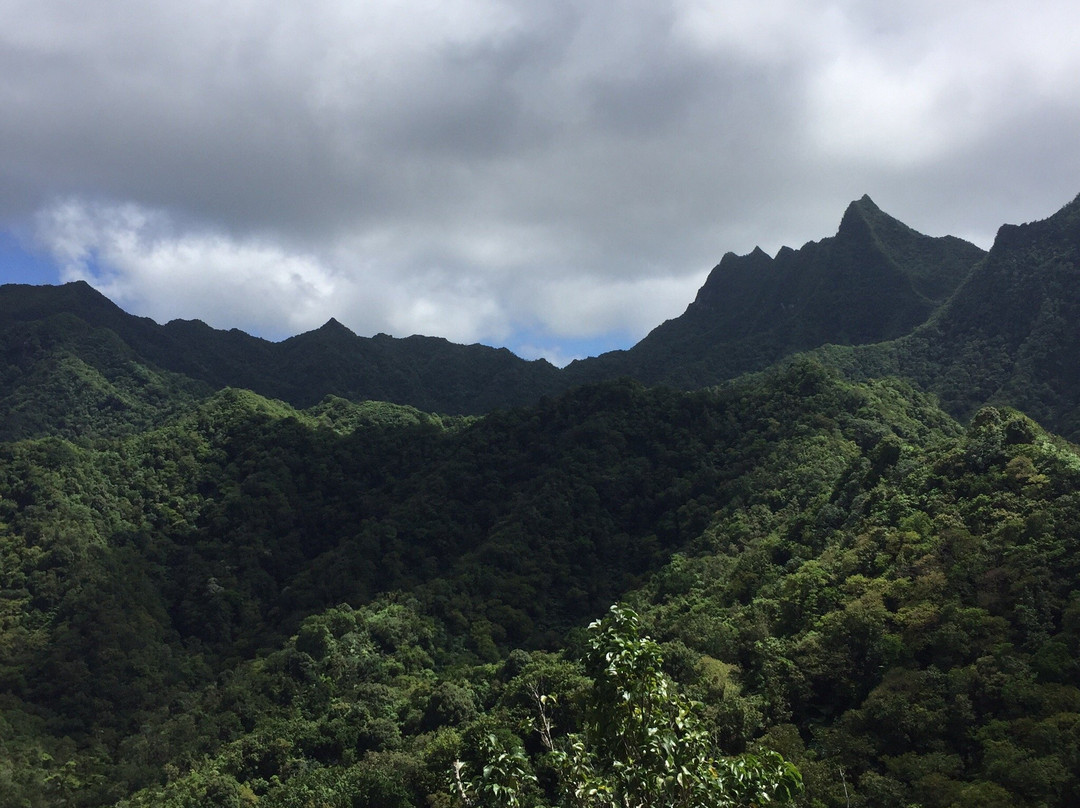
(641,744)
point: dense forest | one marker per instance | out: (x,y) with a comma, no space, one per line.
(863,560)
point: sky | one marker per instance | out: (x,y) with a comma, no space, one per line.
(551,176)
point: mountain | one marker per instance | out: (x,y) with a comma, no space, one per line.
(76,364)
(885,300)
(1009,335)
(230,578)
(72,363)
(426,372)
(1022,307)
(875,280)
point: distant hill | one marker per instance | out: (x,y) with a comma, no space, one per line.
(74,363)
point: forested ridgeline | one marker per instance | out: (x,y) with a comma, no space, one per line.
(257,605)
(74,364)
(877,299)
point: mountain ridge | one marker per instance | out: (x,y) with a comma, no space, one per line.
(874,280)
(902,302)
(209,597)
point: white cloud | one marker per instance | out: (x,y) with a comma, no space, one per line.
(925,81)
(136,257)
(582,308)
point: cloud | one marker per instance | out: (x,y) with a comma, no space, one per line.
(928,80)
(484,169)
(136,257)
(141,259)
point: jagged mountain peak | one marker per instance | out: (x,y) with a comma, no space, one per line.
(867,241)
(858,216)
(331,334)
(875,280)
(864,205)
(864,219)
(757,260)
(333,326)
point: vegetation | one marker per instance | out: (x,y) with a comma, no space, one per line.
(875,280)
(258,605)
(641,741)
(209,597)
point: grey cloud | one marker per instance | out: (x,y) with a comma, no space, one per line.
(479,165)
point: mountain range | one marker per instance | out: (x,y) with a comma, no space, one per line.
(334,570)
(877,298)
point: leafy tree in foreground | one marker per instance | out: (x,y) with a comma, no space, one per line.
(641,742)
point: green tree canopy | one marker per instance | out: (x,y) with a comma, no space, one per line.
(641,742)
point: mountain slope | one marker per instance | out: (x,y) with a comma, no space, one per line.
(136,571)
(1022,304)
(257,605)
(72,363)
(1009,335)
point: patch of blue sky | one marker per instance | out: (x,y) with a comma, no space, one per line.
(18,264)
